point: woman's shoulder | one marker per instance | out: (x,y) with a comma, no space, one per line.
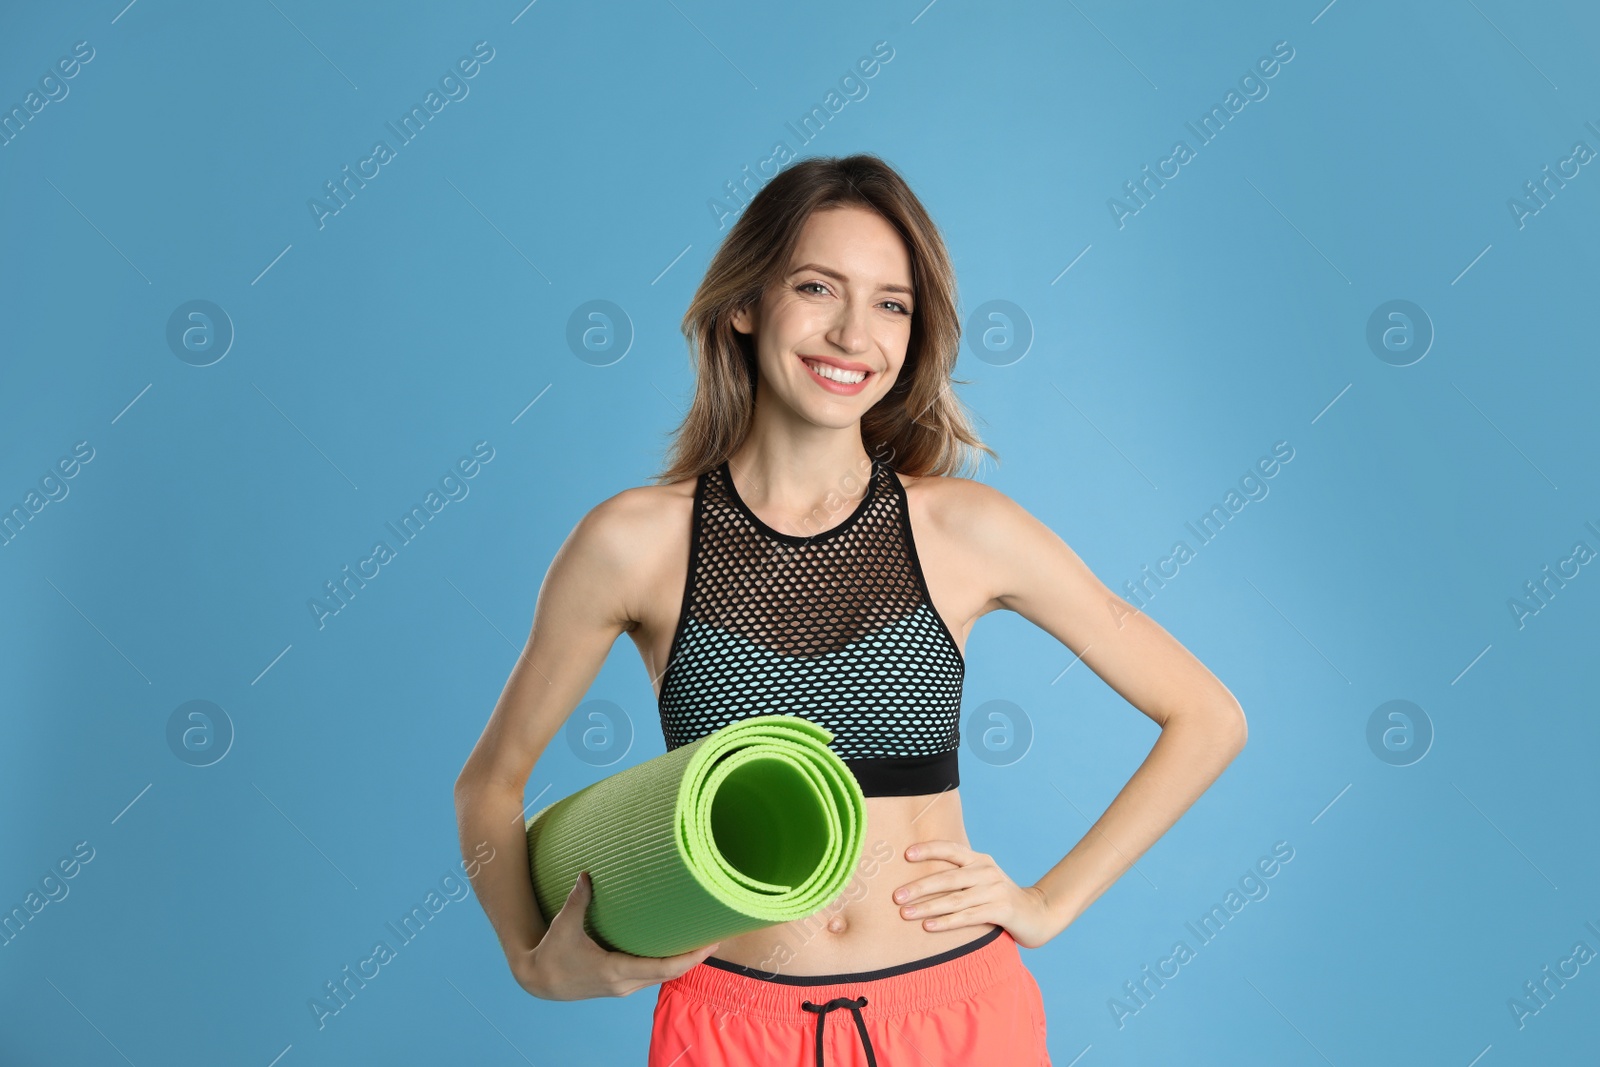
(635,522)
(949,495)
(618,556)
(961,507)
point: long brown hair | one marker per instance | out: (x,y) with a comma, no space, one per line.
(920,426)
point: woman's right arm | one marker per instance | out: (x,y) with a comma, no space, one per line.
(582,605)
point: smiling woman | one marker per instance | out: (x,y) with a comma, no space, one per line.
(810,550)
(851,237)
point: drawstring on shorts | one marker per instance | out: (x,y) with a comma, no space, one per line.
(855,1007)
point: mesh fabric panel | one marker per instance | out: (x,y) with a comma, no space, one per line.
(836,627)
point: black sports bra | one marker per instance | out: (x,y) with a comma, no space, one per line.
(836,627)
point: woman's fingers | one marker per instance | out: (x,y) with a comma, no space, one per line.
(972,916)
(979,869)
(934,884)
(651,969)
(945,903)
(577,901)
(939,849)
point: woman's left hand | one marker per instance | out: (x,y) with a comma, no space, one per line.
(976,892)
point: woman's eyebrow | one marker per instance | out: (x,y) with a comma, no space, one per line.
(820,269)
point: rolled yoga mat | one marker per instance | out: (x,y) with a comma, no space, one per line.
(755,824)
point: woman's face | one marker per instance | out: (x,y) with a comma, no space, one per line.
(843,310)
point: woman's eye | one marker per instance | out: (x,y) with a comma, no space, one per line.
(810,286)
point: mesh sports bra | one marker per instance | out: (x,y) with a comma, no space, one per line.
(836,627)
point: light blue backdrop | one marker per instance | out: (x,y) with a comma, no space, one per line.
(1442,852)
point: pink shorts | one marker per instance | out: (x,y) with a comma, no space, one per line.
(975,1004)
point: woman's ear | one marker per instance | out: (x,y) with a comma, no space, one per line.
(743,320)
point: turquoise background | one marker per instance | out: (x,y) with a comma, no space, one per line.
(1433,872)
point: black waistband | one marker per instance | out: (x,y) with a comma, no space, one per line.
(860,976)
(906,776)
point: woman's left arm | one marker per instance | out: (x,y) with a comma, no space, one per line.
(1032,571)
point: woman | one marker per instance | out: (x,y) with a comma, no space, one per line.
(808,550)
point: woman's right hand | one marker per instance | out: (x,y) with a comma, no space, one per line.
(568,964)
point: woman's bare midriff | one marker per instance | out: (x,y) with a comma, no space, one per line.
(862,930)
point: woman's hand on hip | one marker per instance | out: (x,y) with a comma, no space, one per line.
(976,892)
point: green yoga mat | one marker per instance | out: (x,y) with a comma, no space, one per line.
(756,824)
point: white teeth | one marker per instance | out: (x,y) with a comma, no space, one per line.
(834,374)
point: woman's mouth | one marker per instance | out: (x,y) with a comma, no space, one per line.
(836,379)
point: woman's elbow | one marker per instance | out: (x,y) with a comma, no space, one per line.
(1223,723)
(478,780)
(470,782)
(1238,730)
